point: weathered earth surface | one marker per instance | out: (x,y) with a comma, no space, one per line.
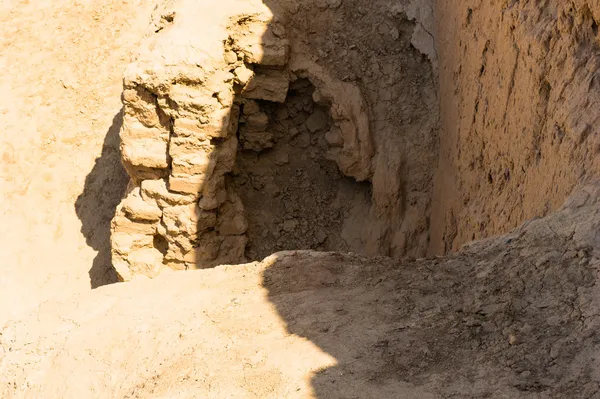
(140,138)
(520,106)
(235,120)
(514,316)
(60,176)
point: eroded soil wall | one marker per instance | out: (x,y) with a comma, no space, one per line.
(520,112)
(263,133)
(247,133)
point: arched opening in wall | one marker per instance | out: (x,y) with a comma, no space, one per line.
(294,195)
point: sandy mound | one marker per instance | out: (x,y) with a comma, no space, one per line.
(514,316)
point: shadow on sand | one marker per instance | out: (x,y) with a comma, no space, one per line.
(104,187)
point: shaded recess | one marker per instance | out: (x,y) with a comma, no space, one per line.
(241,141)
(295,196)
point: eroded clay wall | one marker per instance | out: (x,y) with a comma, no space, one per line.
(199,93)
(384,51)
(179,137)
(256,127)
(520,110)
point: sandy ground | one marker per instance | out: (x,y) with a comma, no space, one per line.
(514,316)
(511,317)
(62,64)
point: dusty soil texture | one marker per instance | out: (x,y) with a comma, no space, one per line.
(142,137)
(386,50)
(294,194)
(60,176)
(514,316)
(520,104)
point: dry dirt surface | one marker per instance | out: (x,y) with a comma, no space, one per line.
(513,317)
(520,105)
(390,129)
(62,64)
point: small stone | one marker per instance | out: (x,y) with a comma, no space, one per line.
(281,114)
(291,110)
(555,350)
(316,121)
(304,140)
(243,74)
(334,3)
(255,141)
(282,158)
(270,85)
(321,236)
(290,207)
(230,57)
(251,107)
(290,225)
(257,183)
(309,107)
(257,122)
(512,339)
(272,189)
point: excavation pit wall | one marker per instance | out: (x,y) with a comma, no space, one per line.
(268,182)
(294,194)
(237,158)
(242,139)
(520,110)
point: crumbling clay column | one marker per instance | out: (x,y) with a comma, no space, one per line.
(178,140)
